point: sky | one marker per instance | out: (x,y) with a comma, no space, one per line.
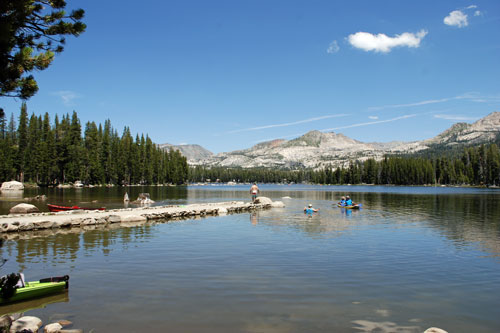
(229,74)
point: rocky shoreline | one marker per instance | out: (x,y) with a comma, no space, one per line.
(18,223)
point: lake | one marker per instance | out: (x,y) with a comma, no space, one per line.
(412,258)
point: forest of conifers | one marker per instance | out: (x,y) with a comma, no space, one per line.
(39,152)
(473,166)
(47,154)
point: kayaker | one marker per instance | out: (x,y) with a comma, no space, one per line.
(342,202)
(348,201)
(254,190)
(309,209)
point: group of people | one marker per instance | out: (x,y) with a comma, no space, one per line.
(346,201)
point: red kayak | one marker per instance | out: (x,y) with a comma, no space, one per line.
(56,208)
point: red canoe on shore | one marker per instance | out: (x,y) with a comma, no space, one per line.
(56,208)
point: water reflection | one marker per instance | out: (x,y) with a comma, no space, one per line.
(254,218)
(111,197)
(23,307)
(57,246)
(403,256)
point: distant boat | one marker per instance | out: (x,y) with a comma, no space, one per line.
(56,208)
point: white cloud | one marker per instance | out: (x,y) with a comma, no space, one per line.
(370,123)
(288,124)
(454,117)
(456,18)
(431,101)
(477,13)
(66,96)
(383,43)
(471,96)
(333,47)
(373,117)
(472,7)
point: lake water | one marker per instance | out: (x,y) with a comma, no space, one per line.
(412,258)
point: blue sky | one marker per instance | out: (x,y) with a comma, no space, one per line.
(229,74)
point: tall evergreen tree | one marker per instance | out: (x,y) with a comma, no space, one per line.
(22,141)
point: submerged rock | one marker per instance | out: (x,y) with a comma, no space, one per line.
(42,197)
(64,322)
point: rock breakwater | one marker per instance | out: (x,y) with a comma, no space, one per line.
(82,218)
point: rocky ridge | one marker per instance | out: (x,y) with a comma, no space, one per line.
(191,152)
(316,149)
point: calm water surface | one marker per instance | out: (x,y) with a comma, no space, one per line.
(411,259)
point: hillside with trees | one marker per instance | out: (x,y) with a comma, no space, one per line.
(46,153)
(476,166)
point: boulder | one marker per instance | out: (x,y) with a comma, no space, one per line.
(278,204)
(24,208)
(6,227)
(5,322)
(435,330)
(26,324)
(143,199)
(12,186)
(263,201)
(52,328)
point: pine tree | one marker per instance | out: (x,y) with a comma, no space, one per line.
(22,135)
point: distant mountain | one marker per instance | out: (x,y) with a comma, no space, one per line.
(484,130)
(191,152)
(316,149)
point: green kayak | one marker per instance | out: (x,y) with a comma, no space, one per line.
(35,289)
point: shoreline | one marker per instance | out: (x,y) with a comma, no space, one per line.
(19,223)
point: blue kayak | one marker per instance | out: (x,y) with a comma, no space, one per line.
(356,206)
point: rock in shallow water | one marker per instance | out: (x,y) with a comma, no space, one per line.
(263,201)
(24,208)
(435,330)
(12,186)
(26,324)
(52,328)
(5,322)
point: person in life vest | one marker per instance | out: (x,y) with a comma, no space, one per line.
(342,202)
(254,190)
(348,201)
(309,209)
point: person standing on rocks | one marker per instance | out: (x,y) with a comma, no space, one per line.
(254,190)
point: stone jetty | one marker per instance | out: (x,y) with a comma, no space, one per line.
(83,218)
